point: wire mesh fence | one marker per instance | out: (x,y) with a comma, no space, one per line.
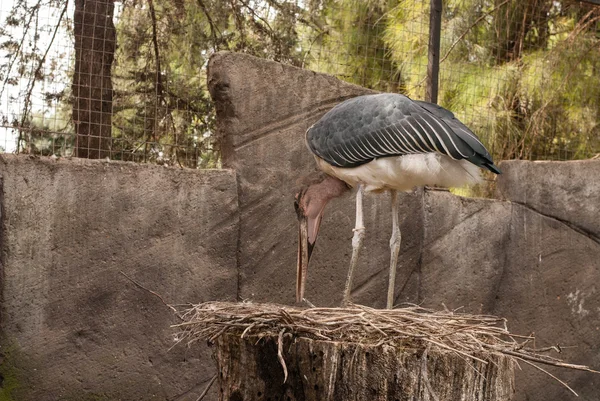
(126,80)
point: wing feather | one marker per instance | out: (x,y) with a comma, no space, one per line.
(348,152)
(366,145)
(433,140)
(384,145)
(406,138)
(420,133)
(397,137)
(414,138)
(368,127)
(441,134)
(357,150)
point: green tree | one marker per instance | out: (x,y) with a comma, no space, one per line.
(350,44)
(523,75)
(163,112)
(30,29)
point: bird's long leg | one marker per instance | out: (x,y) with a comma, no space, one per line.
(395,249)
(357,240)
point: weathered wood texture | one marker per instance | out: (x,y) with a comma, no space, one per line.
(249,369)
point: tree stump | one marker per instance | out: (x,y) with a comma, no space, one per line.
(250,369)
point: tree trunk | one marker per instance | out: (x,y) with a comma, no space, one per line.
(249,369)
(92,84)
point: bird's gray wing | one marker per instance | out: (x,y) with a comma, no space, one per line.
(368,127)
(480,156)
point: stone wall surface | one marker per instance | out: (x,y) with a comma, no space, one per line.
(550,281)
(74,327)
(567,191)
(263,112)
(503,258)
(532,257)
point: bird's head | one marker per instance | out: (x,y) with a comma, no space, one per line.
(316,190)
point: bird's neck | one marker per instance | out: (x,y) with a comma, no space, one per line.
(331,188)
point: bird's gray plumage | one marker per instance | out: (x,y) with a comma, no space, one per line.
(368,127)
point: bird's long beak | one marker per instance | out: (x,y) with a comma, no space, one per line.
(308,229)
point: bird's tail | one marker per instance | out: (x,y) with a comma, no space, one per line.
(492,167)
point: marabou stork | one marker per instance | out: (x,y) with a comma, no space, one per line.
(376,143)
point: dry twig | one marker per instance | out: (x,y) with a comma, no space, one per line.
(475,337)
(208,386)
(153,293)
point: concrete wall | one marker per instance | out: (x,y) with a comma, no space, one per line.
(73,327)
(263,111)
(533,255)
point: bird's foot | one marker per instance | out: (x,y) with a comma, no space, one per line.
(358,229)
(434,188)
(307,302)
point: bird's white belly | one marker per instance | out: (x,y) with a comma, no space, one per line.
(406,172)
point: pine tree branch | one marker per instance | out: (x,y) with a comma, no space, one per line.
(159,82)
(462,36)
(302,15)
(12,61)
(213,27)
(36,74)
(255,15)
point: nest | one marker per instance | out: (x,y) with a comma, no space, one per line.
(478,337)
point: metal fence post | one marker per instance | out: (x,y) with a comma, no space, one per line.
(433,59)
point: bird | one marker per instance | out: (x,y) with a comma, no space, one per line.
(376,143)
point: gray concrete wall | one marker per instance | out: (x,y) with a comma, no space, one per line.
(550,282)
(532,256)
(73,327)
(263,111)
(506,259)
(565,191)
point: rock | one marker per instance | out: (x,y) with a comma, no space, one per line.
(505,259)
(567,191)
(74,327)
(263,111)
(534,259)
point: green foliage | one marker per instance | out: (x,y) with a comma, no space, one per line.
(48,135)
(161,108)
(522,75)
(9,371)
(352,45)
(406,37)
(163,112)
(27,67)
